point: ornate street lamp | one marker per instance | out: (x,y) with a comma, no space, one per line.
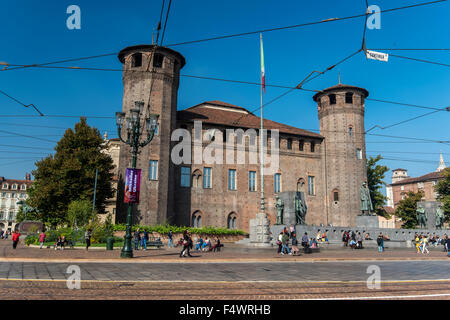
(133,130)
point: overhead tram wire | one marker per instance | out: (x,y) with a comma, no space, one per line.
(420,60)
(21,103)
(165,23)
(233,35)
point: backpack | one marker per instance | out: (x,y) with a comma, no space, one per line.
(379,241)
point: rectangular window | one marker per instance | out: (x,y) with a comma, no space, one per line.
(300,145)
(158,60)
(277,182)
(231,179)
(207,178)
(252,181)
(137,60)
(358,154)
(153,170)
(311,188)
(313,146)
(336,196)
(186,177)
(289,144)
(349,97)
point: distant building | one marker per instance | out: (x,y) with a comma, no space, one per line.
(402,184)
(113,150)
(12,191)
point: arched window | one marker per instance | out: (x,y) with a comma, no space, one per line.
(350,129)
(196,219)
(301,185)
(232,221)
(136,60)
(197,179)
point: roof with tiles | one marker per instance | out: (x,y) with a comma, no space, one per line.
(222,113)
(427,177)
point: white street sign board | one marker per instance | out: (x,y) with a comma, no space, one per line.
(377,55)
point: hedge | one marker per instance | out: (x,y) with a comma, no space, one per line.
(164,229)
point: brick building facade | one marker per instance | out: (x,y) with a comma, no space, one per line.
(328,167)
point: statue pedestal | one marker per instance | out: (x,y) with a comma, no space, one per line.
(367,221)
(260,231)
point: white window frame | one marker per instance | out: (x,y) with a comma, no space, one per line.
(153,170)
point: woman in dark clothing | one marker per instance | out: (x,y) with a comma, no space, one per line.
(187,243)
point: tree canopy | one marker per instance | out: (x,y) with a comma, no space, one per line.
(375,175)
(443,190)
(69,174)
(406,209)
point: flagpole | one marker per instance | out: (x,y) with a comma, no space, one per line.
(261,134)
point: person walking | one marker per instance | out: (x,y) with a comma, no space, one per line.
(424,242)
(41,239)
(294,248)
(417,240)
(285,244)
(359,240)
(137,239)
(447,243)
(145,240)
(1,233)
(87,237)
(280,242)
(170,241)
(15,238)
(187,242)
(380,242)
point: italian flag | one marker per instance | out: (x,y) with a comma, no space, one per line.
(263,74)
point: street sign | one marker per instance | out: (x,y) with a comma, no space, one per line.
(377,55)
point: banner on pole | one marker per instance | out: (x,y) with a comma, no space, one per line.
(377,55)
(132,185)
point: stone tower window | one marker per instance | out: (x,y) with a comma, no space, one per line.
(335,196)
(359,154)
(332,98)
(136,60)
(158,60)
(349,97)
(350,129)
(313,146)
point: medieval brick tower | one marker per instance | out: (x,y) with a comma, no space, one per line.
(341,119)
(151,74)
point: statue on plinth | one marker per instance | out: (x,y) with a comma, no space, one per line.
(421,217)
(366,202)
(439,218)
(300,210)
(279,205)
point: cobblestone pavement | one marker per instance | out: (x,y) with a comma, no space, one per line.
(212,291)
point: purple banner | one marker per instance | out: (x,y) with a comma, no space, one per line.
(132,185)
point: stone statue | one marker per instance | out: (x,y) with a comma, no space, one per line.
(421,217)
(279,205)
(439,218)
(366,202)
(300,210)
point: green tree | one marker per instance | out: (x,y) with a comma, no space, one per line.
(406,209)
(443,190)
(79,213)
(69,174)
(375,175)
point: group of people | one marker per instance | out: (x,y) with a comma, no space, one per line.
(422,241)
(353,240)
(290,236)
(4,234)
(200,245)
(140,239)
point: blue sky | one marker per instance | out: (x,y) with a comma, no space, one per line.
(36,32)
